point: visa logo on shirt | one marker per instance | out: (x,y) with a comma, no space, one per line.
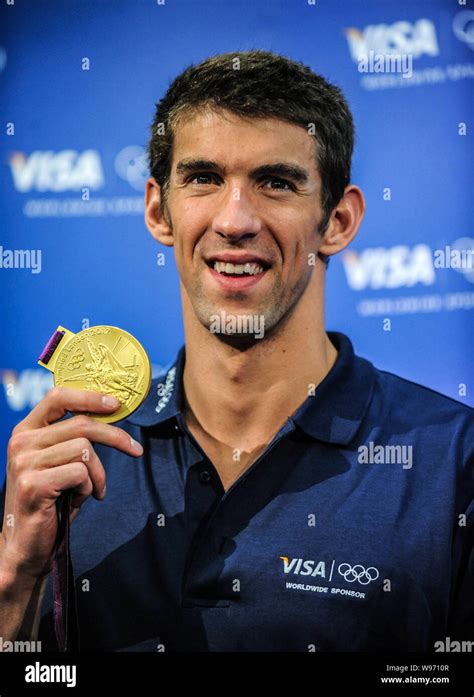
(348,572)
(310,567)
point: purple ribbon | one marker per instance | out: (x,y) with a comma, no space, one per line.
(66,626)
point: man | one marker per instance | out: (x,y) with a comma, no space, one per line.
(288,495)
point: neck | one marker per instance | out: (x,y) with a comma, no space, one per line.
(241,398)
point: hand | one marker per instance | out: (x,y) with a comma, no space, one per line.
(43,460)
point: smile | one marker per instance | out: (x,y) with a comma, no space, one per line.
(234,277)
(229,269)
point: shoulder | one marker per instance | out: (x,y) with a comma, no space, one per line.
(414,398)
(425,415)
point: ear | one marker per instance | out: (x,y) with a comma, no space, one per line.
(156,223)
(344,222)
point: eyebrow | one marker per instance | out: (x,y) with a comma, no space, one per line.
(285,170)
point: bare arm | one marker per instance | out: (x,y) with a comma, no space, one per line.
(21,600)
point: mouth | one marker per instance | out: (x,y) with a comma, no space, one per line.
(237,272)
(226,268)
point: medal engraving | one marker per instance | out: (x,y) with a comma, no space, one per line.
(105,359)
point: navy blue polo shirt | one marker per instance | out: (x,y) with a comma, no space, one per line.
(351,532)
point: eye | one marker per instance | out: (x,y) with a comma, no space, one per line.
(281,182)
(211,177)
(202,175)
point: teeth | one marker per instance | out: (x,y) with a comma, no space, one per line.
(226,267)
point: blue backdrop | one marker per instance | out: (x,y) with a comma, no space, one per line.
(79,81)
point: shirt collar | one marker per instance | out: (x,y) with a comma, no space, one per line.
(165,398)
(333,414)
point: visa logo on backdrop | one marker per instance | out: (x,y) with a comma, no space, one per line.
(26,388)
(404,266)
(381,267)
(57,171)
(415,38)
(71,170)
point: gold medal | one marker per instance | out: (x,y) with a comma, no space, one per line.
(105,359)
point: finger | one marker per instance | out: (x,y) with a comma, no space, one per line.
(60,400)
(76,450)
(36,488)
(83,487)
(86,427)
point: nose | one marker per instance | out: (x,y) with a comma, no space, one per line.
(236,218)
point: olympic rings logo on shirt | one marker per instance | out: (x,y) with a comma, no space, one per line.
(358,573)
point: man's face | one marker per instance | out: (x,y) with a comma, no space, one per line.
(227,208)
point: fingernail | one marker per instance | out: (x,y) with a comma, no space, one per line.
(103,491)
(136,446)
(110,401)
